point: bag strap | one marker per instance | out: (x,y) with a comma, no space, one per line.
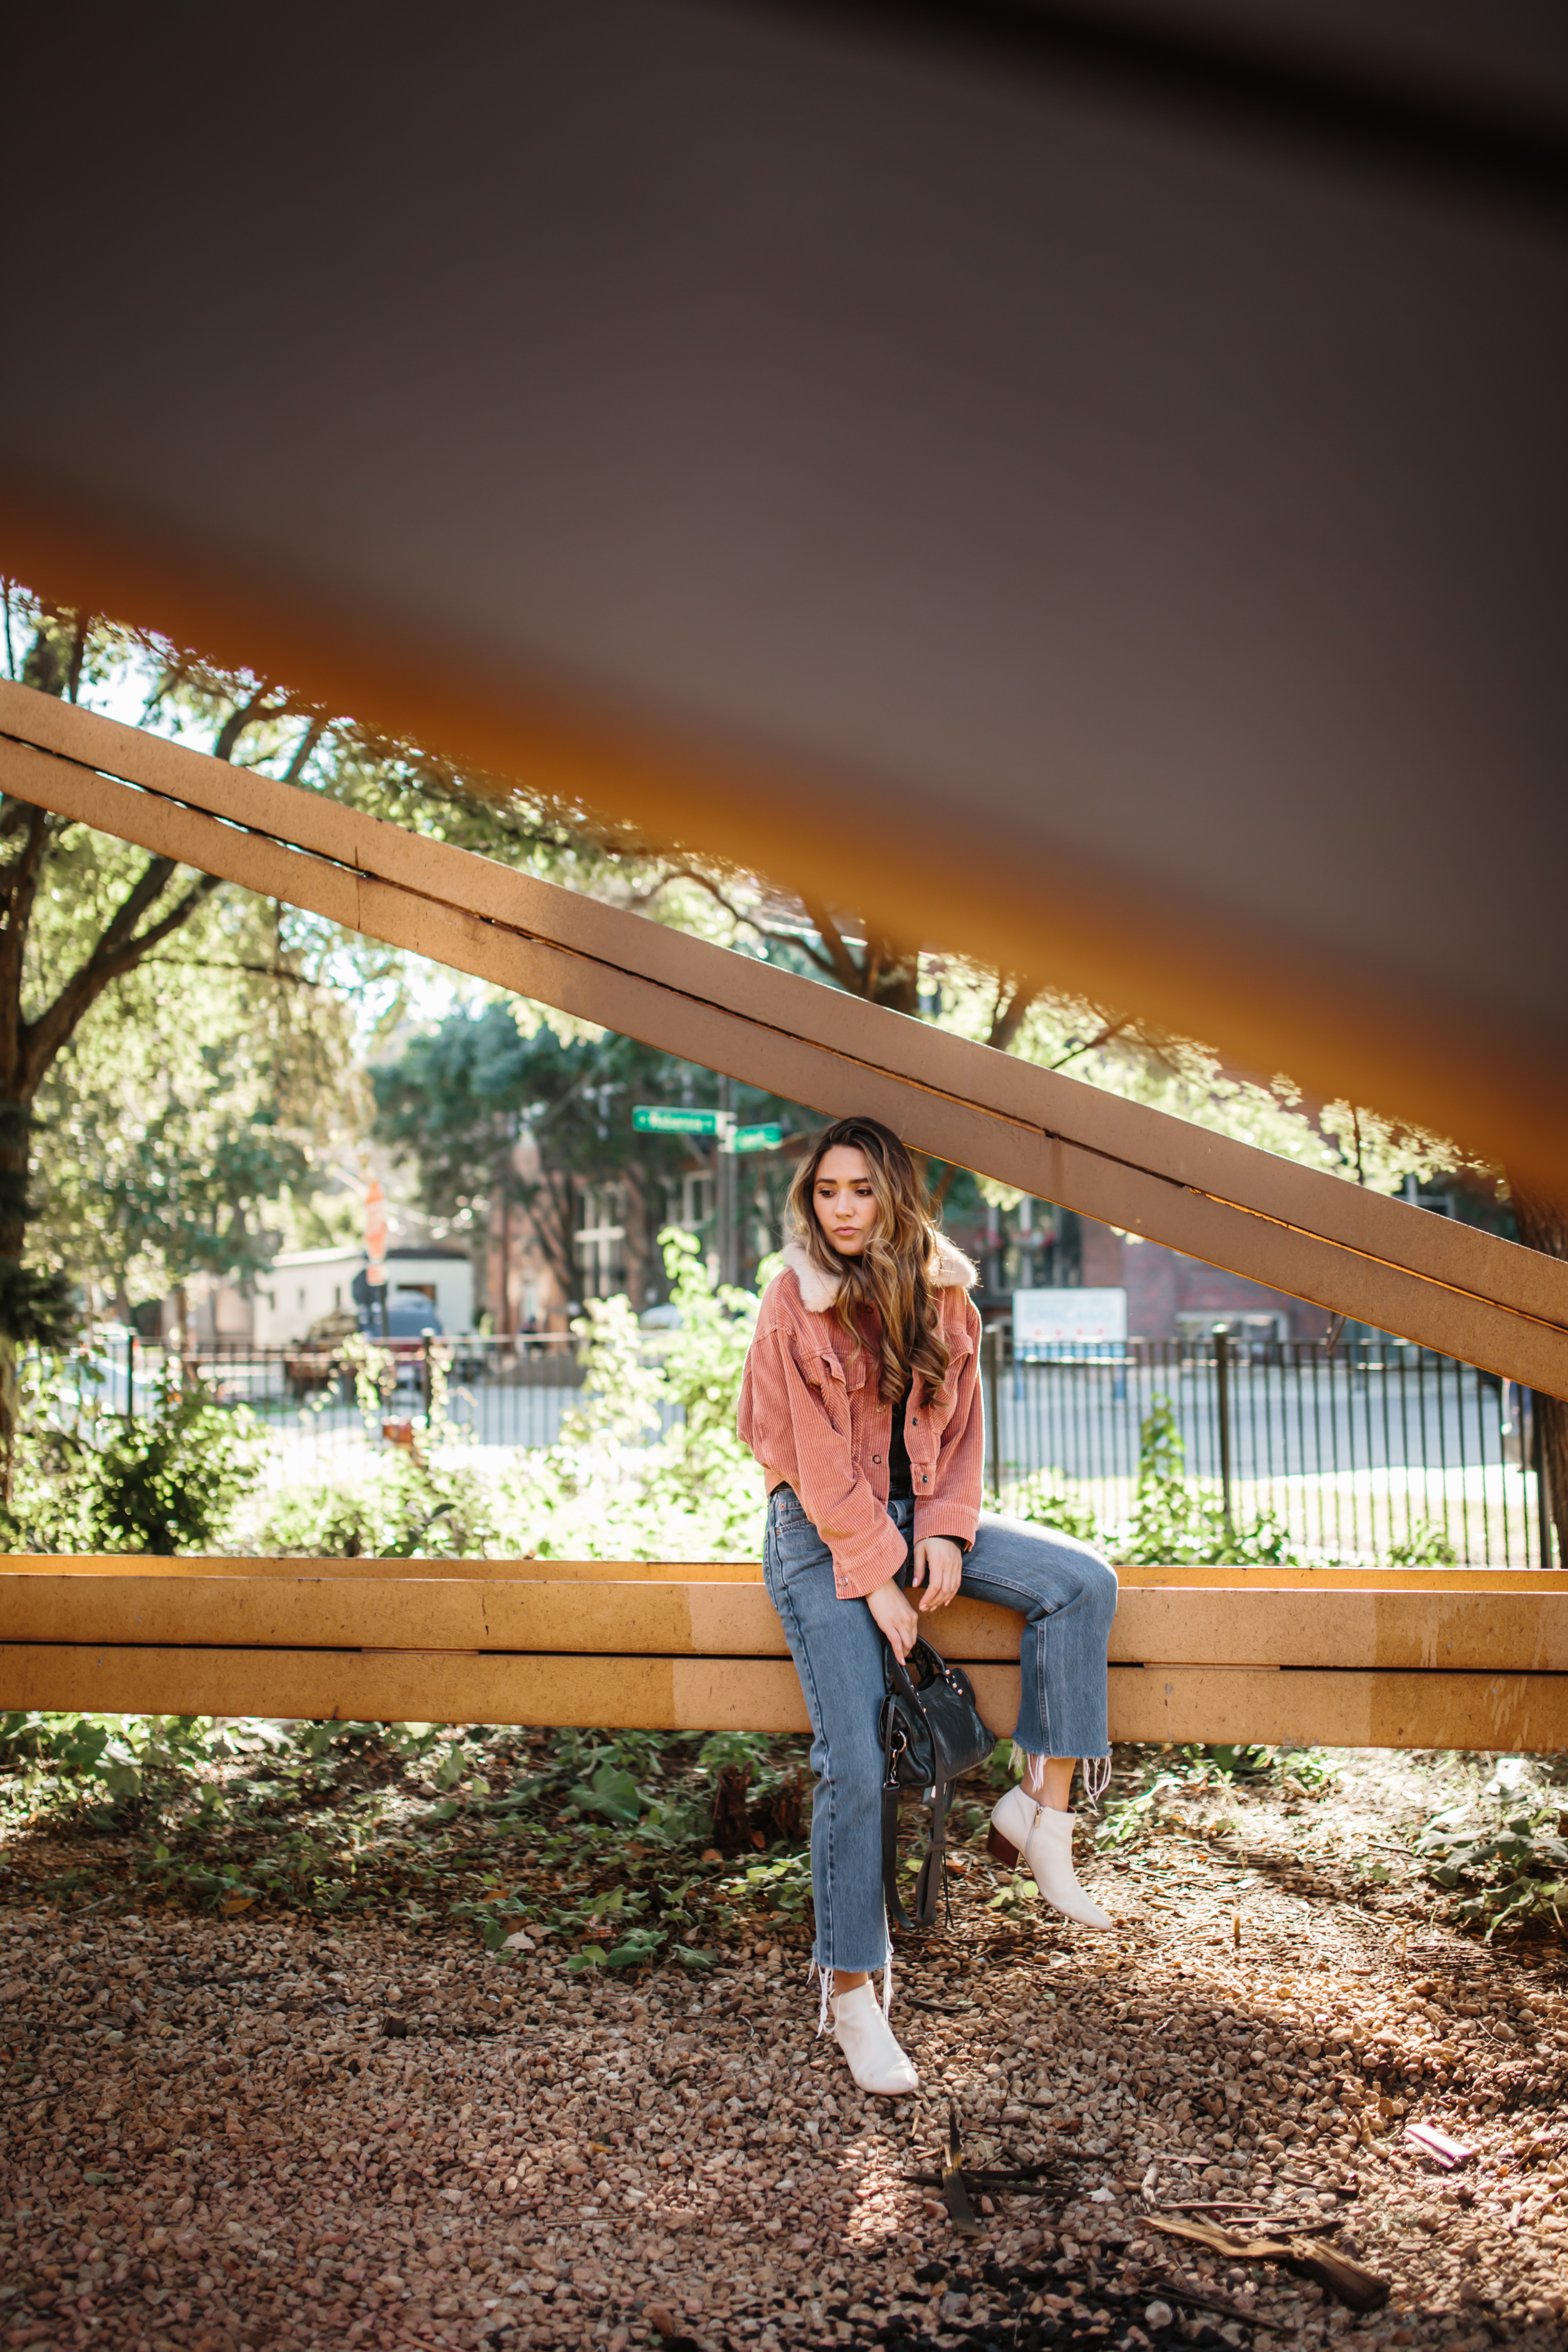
(933,1870)
(933,1873)
(890,1895)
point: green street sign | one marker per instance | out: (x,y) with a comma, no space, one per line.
(664,1118)
(757,1138)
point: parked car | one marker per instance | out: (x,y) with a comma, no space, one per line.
(402,1329)
(318,1361)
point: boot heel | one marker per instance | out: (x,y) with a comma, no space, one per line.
(1000,1849)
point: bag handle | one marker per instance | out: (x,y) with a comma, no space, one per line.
(896,1676)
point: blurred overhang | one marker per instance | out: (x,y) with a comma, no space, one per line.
(1086,488)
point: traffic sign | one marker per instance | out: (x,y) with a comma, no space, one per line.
(757,1138)
(664,1118)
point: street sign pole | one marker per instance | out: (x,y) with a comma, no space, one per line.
(730,1141)
(724,1185)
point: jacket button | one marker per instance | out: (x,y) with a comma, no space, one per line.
(875,1457)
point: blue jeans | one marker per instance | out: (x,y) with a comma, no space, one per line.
(1066,1596)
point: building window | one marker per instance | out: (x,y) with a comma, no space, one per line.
(601,1239)
(692,1207)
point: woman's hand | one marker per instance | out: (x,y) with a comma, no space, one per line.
(896,1616)
(938,1566)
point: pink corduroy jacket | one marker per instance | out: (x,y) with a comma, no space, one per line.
(810,1414)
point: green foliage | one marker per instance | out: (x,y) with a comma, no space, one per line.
(405,1510)
(1239,1762)
(497,1103)
(171,1484)
(37,1308)
(612,1792)
(1169,1787)
(1502,1858)
(1423,1546)
(111,1755)
(748,1749)
(1046,1498)
(1175,1522)
(704,1467)
(609,1488)
(584,1842)
(87,1481)
(203,1088)
(782,1884)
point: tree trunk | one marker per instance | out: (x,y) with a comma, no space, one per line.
(16,1169)
(1543,1226)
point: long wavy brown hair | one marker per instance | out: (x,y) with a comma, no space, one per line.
(891,1286)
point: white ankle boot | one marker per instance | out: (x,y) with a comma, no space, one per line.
(866,2040)
(1044,1838)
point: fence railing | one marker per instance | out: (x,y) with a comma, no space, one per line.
(496,1394)
(1362,1451)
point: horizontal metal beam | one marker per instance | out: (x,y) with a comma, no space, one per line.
(1518,1712)
(493,1572)
(1450,1287)
(1471,1632)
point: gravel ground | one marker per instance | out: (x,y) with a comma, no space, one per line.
(229,2133)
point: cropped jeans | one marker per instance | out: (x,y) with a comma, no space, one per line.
(1066,1596)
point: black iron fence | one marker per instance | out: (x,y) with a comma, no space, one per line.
(327,1410)
(1368,1451)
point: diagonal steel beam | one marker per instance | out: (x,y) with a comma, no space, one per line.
(1448,1287)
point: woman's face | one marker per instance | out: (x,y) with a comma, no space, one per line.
(844,1203)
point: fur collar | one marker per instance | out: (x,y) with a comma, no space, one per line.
(818,1290)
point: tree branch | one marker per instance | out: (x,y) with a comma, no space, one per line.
(1114,1029)
(42,1039)
(244,715)
(227,964)
(739,914)
(84,623)
(302,750)
(1008,1020)
(842,963)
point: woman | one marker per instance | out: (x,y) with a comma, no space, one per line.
(861,1400)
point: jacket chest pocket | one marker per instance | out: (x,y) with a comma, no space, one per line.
(841,1384)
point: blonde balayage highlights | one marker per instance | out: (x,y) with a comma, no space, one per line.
(893,1279)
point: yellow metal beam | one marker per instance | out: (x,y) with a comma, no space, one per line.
(1343,1708)
(1384,1628)
(640,1571)
(1448,1287)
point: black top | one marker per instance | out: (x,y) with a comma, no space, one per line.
(901,1480)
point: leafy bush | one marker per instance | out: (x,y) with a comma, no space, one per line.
(405,1510)
(611,1487)
(1046,1500)
(171,1484)
(165,1483)
(1176,1523)
(1506,1870)
(1423,1546)
(108,1755)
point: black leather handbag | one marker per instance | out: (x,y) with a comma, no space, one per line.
(931,1731)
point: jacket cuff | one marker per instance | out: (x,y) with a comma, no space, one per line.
(950,1519)
(888,1557)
